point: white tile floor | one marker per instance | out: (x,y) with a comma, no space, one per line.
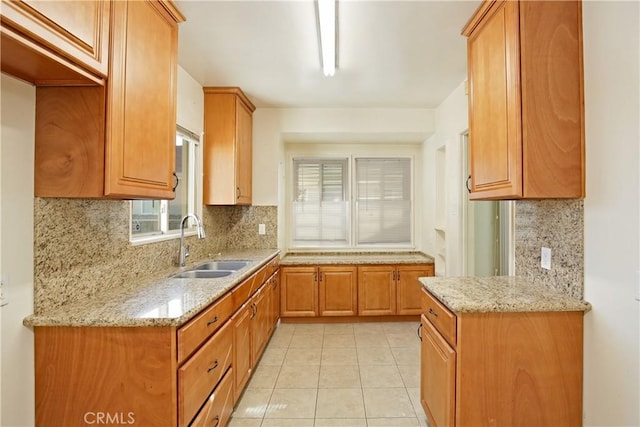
(336,374)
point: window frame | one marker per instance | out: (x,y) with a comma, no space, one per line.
(194,202)
(327,153)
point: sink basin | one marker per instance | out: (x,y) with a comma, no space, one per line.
(203,274)
(233,265)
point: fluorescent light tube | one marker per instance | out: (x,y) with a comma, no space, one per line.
(327,18)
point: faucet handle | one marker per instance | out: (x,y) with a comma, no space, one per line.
(186,251)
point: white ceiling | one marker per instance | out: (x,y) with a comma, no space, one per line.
(397,54)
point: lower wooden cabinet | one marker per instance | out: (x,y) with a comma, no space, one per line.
(157,376)
(350,290)
(219,406)
(338,291)
(512,368)
(409,289)
(376,290)
(390,289)
(299,292)
(199,375)
(242,363)
(275,300)
(260,327)
(437,378)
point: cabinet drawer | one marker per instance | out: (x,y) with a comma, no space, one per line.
(199,375)
(273,266)
(217,410)
(440,316)
(194,333)
(243,291)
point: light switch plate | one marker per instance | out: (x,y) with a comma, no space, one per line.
(262,229)
(545,258)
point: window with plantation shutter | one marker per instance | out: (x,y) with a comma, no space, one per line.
(383,201)
(354,202)
(320,202)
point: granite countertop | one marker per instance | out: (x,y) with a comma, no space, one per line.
(164,302)
(499,294)
(344,258)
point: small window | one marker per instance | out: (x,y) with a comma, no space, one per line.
(378,212)
(383,201)
(160,219)
(320,203)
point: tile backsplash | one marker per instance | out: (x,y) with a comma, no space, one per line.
(555,224)
(82,246)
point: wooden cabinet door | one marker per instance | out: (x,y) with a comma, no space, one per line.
(78,31)
(376,290)
(244,148)
(242,367)
(299,292)
(141,104)
(437,377)
(338,291)
(228,148)
(276,299)
(275,302)
(495,135)
(260,322)
(409,289)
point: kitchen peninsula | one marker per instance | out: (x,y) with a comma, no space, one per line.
(500,351)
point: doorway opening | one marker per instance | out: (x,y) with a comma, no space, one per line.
(486,229)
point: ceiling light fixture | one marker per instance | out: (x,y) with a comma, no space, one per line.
(327,20)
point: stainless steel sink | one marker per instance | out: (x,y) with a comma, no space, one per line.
(203,274)
(233,265)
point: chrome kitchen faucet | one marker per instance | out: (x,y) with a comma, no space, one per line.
(184,250)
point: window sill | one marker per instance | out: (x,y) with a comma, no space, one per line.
(137,241)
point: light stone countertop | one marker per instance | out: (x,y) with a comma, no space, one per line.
(499,294)
(346,258)
(164,302)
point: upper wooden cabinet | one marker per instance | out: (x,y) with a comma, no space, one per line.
(526,109)
(117,142)
(228,147)
(56,42)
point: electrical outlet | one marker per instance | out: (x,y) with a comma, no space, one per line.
(545,258)
(262,229)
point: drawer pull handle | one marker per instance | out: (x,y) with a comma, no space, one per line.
(420,331)
(214,320)
(217,419)
(212,367)
(433,312)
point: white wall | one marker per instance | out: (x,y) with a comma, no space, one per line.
(612,96)
(190,109)
(452,120)
(16,156)
(16,195)
(272,127)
